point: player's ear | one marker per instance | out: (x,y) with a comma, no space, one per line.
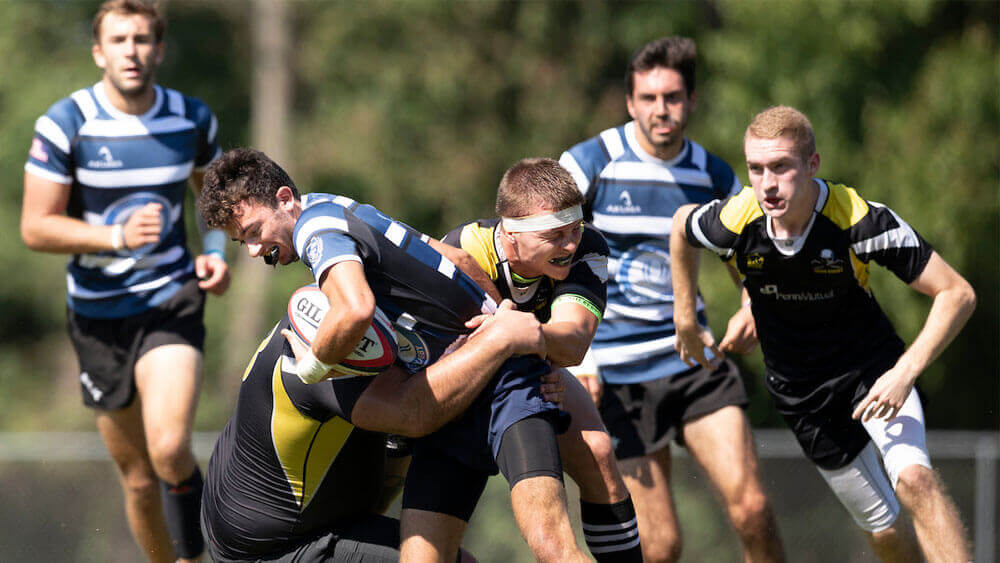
(285,197)
(814,164)
(98,55)
(160,50)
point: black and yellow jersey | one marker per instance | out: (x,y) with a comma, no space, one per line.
(289,465)
(815,313)
(585,285)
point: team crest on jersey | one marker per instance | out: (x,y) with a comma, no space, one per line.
(624,204)
(827,263)
(644,273)
(412,350)
(107,160)
(755,261)
(314,250)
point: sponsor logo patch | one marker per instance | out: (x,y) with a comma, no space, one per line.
(38,151)
(827,263)
(107,160)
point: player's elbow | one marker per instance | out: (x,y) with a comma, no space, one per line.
(32,236)
(966,298)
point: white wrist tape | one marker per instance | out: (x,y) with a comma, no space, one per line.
(214,242)
(310,369)
(118,236)
(543,222)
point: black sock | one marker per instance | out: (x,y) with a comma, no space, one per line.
(182,508)
(611,531)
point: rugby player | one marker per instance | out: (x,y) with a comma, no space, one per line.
(838,373)
(105,181)
(293,479)
(633,178)
(543,256)
(361,257)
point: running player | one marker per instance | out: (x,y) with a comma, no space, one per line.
(546,259)
(634,177)
(105,181)
(361,257)
(838,373)
(293,479)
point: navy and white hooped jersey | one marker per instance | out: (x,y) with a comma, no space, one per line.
(631,198)
(425,294)
(115,164)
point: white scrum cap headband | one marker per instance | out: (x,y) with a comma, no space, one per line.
(544,221)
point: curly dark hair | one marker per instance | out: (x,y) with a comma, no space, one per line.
(239,175)
(676,53)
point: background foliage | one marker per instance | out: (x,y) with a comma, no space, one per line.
(418,107)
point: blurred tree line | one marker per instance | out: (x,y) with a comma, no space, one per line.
(418,108)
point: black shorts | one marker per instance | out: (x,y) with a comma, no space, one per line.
(108,349)
(819,412)
(643,417)
(371,539)
(438,482)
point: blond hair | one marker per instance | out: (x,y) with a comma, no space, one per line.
(784,121)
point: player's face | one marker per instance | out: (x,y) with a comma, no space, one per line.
(128,53)
(546,253)
(660,105)
(781,177)
(266,231)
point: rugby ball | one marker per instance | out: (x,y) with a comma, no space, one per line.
(375,352)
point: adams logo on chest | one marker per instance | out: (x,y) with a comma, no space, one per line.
(624,204)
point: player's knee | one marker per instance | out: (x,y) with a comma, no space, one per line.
(915,483)
(549,545)
(750,513)
(140,484)
(662,546)
(171,456)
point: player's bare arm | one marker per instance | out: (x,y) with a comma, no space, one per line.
(352,307)
(46,228)
(465,262)
(210,266)
(415,405)
(692,339)
(741,332)
(954,301)
(568,333)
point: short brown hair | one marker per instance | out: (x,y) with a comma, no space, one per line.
(676,53)
(784,121)
(131,7)
(536,182)
(236,176)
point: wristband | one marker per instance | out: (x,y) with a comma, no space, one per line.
(310,369)
(214,242)
(748,302)
(118,237)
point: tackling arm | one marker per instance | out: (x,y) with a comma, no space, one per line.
(465,262)
(416,405)
(568,333)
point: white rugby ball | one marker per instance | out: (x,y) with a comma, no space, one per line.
(375,352)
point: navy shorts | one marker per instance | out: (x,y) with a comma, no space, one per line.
(513,394)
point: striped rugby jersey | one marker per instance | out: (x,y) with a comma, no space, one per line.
(815,314)
(116,163)
(631,198)
(419,289)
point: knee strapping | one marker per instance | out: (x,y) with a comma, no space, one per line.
(529,449)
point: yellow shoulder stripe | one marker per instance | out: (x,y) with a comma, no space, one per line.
(740,211)
(305,447)
(478,242)
(844,206)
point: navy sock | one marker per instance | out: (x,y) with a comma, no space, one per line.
(611,531)
(182,508)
